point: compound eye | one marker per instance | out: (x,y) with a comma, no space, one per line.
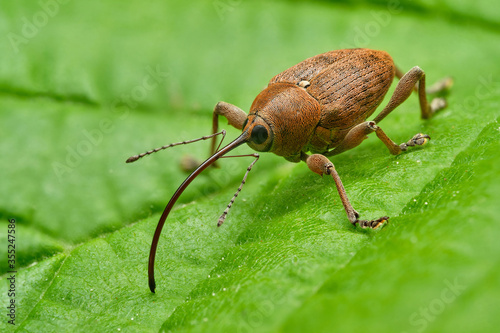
(259,134)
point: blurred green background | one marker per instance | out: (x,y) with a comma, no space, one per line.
(84,85)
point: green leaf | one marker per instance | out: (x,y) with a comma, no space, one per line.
(83,86)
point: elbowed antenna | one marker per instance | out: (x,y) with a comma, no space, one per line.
(244,137)
(149,152)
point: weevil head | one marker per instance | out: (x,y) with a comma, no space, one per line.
(282,119)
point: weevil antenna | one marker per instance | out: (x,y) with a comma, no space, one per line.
(224,214)
(244,137)
(136,157)
(223,132)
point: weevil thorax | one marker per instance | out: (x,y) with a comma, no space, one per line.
(282,120)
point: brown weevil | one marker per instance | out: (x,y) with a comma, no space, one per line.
(319,106)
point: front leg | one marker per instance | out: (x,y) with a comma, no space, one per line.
(322,166)
(235,116)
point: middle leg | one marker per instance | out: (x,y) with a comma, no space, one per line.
(322,166)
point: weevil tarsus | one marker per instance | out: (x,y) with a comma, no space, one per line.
(321,165)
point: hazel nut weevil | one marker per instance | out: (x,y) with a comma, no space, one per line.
(320,106)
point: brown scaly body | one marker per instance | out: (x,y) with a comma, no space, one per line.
(319,105)
(343,88)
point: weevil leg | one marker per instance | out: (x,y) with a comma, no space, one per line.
(405,86)
(418,139)
(323,166)
(360,132)
(441,86)
(236,117)
(354,137)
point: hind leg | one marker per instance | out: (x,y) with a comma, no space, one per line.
(407,83)
(414,80)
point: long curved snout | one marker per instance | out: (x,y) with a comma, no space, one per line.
(244,137)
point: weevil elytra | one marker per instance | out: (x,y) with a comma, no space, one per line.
(319,106)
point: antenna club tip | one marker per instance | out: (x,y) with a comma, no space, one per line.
(132,159)
(219,223)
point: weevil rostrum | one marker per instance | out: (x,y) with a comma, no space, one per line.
(313,110)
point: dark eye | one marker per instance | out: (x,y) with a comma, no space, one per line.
(259,134)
